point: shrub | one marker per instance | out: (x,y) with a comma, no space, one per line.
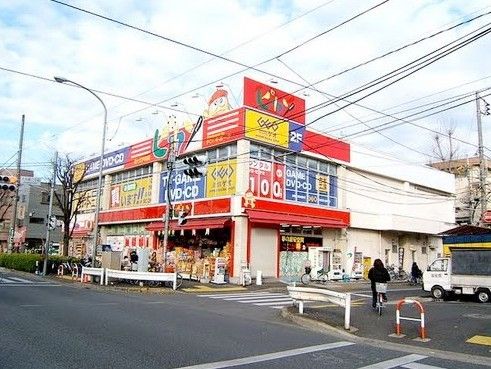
(27,262)
(23,262)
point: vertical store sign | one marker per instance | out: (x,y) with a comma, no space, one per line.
(267,179)
(182,188)
(271,100)
(221,178)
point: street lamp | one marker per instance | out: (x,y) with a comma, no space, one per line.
(99,181)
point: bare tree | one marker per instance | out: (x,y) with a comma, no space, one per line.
(69,199)
(6,201)
(445,150)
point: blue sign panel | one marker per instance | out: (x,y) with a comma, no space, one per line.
(310,186)
(183,188)
(110,160)
(295,141)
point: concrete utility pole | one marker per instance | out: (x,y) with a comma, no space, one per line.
(13,222)
(482,164)
(50,213)
(168,205)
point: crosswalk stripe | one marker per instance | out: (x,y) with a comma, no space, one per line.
(263,300)
(420,366)
(393,363)
(271,300)
(256,297)
(275,303)
(219,296)
(17,279)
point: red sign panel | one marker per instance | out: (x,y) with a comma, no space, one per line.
(140,154)
(224,128)
(326,146)
(487,217)
(269,99)
(267,179)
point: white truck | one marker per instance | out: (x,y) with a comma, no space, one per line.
(466,272)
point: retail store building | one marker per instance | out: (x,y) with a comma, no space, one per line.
(275,194)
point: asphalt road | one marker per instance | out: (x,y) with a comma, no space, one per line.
(50,325)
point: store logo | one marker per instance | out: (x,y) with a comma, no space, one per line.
(267,124)
(223,172)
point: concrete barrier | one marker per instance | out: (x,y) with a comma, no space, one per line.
(301,294)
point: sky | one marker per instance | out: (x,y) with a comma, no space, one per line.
(148,60)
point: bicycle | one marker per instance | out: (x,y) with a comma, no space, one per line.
(307,278)
(381,289)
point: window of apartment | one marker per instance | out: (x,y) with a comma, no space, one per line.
(45,198)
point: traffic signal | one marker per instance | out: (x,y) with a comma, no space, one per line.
(8,183)
(195,166)
(181,218)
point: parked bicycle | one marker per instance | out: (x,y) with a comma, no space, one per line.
(320,277)
(381,289)
(397,274)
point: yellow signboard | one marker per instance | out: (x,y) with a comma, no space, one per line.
(322,183)
(266,128)
(221,178)
(133,193)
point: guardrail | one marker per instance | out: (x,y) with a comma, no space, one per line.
(301,294)
(141,276)
(98,272)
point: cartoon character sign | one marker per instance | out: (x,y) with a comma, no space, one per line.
(218,104)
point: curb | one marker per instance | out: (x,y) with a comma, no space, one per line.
(325,328)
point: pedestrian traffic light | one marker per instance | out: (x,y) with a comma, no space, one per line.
(181,218)
(52,222)
(8,183)
(195,166)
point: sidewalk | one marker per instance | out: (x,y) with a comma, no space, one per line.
(448,331)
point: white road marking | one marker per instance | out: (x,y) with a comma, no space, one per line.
(32,285)
(361,295)
(268,357)
(393,363)
(421,366)
(219,296)
(16,279)
(256,297)
(275,303)
(272,299)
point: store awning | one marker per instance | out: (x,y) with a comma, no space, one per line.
(203,223)
(81,232)
(269,217)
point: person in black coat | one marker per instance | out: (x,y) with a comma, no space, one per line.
(415,273)
(378,274)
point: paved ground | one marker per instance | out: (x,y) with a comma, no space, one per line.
(452,326)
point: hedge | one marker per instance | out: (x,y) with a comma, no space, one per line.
(27,262)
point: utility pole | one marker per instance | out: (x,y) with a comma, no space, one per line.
(13,222)
(50,212)
(171,158)
(482,164)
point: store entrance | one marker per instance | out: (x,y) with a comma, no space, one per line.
(201,255)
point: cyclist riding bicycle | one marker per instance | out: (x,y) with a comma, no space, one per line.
(378,274)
